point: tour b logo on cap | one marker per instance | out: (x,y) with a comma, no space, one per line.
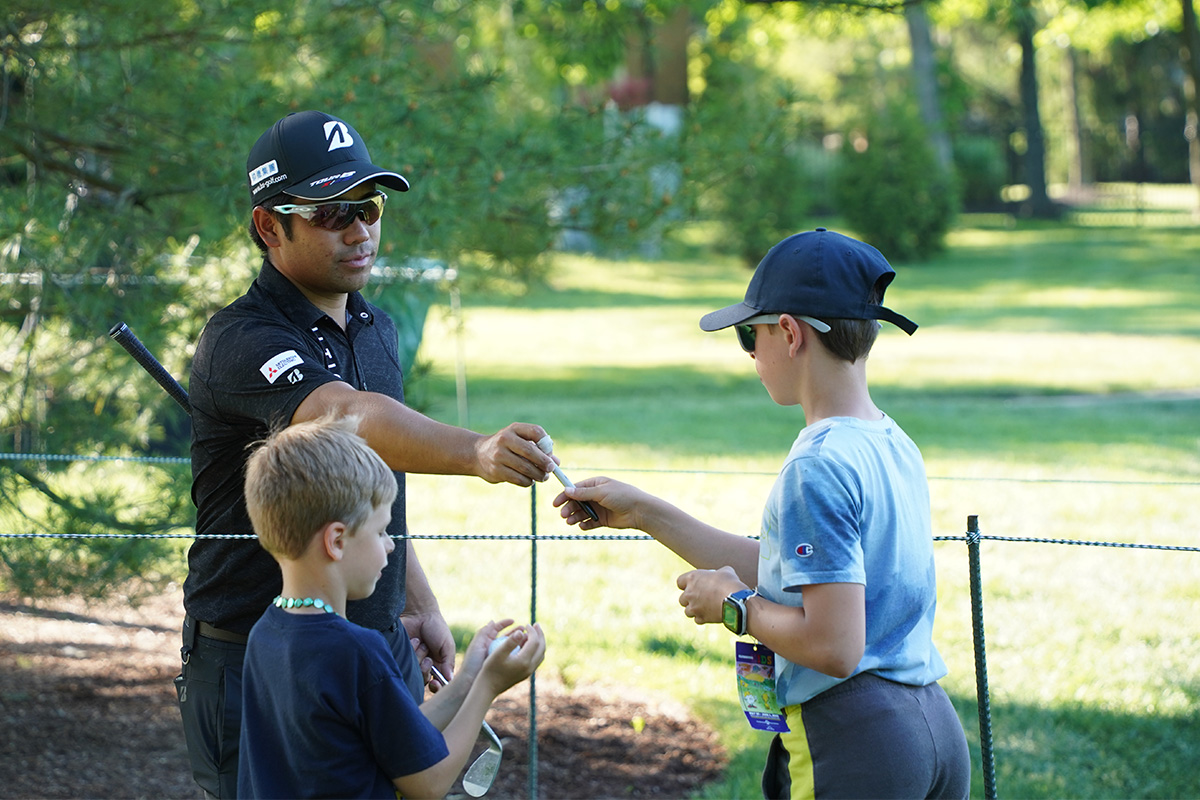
(338,135)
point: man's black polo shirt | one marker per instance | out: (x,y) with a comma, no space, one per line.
(256,361)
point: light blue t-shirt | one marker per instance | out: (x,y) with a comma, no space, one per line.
(851,505)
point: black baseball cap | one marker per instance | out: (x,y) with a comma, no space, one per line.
(313,156)
(819,274)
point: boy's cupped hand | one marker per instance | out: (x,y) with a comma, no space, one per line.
(509,659)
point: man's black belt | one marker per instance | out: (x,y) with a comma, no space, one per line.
(220,634)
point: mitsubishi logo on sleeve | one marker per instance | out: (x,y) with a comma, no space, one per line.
(338,135)
(274,367)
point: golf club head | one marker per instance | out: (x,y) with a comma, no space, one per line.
(482,774)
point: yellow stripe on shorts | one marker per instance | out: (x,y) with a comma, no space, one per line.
(800,763)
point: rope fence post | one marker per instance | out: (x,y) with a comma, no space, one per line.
(533,739)
(981,680)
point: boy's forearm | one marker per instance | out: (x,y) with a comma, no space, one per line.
(700,544)
(441,708)
(460,735)
(463,729)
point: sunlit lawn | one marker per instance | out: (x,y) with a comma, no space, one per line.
(1054,387)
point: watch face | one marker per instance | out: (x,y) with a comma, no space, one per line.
(729,615)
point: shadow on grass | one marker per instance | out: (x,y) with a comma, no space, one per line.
(70,616)
(688,412)
(1064,751)
(680,647)
(1076,751)
(1120,280)
(1060,752)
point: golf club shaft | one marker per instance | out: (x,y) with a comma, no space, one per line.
(491,734)
(124,337)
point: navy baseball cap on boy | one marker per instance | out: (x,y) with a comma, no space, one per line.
(313,156)
(818,274)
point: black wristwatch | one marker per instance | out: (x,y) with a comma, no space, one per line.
(733,611)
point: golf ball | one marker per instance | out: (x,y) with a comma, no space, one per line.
(496,643)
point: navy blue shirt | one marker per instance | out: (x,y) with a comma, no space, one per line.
(256,361)
(325,712)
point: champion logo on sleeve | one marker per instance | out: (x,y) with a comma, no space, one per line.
(274,367)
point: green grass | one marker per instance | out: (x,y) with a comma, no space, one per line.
(1054,388)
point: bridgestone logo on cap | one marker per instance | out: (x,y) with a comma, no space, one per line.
(338,135)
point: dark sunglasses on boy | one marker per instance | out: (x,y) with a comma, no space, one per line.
(746,335)
(340,215)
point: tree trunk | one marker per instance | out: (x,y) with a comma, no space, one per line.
(1038,205)
(1077,167)
(925,84)
(670,42)
(1191,84)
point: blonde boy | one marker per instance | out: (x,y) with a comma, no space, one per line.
(325,709)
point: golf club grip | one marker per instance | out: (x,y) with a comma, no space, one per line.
(124,337)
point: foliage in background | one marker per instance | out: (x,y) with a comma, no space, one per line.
(889,187)
(104,505)
(981,171)
(124,128)
(745,141)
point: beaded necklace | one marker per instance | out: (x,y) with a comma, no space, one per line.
(307,602)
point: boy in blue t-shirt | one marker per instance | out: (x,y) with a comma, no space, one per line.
(841,583)
(326,712)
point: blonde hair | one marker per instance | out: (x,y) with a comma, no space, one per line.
(302,477)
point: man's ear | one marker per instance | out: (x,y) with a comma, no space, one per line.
(333,539)
(267,225)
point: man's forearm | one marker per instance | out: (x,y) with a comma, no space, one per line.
(421,599)
(406,440)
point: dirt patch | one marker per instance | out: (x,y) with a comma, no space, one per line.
(87,709)
(593,744)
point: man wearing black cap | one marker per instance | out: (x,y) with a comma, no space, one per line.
(840,588)
(299,344)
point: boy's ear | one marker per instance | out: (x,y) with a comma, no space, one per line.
(793,333)
(333,540)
